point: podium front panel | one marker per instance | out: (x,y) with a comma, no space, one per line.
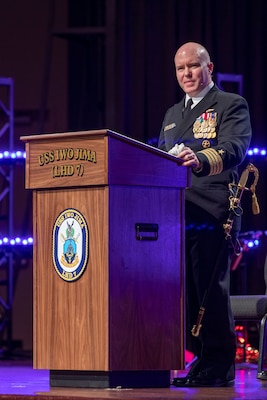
(71,318)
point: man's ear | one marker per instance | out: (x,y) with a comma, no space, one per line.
(210,67)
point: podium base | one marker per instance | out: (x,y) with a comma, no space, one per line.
(110,379)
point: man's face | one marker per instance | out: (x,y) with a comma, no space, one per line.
(193,72)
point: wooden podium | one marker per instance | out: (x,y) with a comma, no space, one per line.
(114,207)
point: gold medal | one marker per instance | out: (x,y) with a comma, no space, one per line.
(196,125)
(204,124)
(213,123)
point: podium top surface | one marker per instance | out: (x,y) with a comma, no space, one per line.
(98,157)
(98,134)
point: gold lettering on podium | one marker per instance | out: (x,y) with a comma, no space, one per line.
(65,154)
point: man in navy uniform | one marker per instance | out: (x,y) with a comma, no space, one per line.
(212,130)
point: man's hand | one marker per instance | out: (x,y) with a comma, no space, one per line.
(189,158)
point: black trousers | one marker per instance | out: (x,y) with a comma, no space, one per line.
(207,250)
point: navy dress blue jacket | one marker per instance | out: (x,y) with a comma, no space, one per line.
(218,129)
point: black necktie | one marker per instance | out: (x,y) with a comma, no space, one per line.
(187,109)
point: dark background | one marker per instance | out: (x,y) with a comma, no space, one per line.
(91,64)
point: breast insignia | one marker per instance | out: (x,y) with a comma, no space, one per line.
(205,125)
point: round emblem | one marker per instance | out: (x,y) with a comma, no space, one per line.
(70,244)
(206,144)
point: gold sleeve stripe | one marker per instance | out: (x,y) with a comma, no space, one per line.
(215,161)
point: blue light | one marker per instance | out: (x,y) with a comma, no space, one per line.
(256,151)
(17,241)
(14,155)
(251,243)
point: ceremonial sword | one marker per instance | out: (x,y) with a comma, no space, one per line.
(234,210)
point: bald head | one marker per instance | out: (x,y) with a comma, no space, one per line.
(193,68)
(193,48)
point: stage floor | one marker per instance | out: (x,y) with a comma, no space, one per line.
(19,379)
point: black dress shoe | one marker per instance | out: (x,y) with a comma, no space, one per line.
(206,378)
(205,381)
(198,381)
(182,381)
(213,377)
